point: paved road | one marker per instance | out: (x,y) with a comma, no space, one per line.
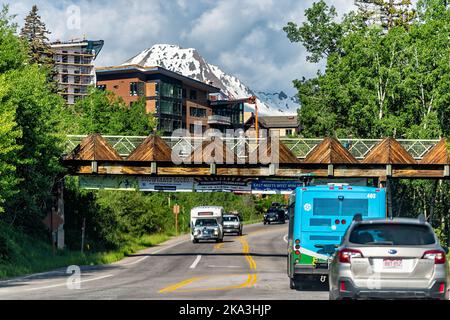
(248,267)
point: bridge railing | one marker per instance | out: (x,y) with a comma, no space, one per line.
(301,147)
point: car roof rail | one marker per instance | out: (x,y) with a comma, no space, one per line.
(357,217)
(422,218)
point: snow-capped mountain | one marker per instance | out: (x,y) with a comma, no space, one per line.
(190,63)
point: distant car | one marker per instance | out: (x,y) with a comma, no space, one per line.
(274,216)
(232,224)
(389,259)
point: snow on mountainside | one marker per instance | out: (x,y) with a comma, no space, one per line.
(189,63)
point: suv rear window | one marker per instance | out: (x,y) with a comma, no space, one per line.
(392,234)
(230,219)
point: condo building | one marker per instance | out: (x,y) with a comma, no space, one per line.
(178,102)
(74,66)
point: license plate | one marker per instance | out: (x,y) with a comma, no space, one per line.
(393,264)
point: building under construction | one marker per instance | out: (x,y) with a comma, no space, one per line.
(74,66)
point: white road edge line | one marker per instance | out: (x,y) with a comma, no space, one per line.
(152,253)
(197,260)
(65,283)
(285,238)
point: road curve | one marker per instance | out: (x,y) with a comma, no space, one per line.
(249,267)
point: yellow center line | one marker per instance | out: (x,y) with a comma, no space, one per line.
(218,246)
(252,278)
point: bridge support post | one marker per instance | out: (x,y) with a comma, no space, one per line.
(213,169)
(330,170)
(154,168)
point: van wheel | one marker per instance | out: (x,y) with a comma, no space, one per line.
(195,241)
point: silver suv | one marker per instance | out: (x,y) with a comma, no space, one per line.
(389,259)
(232,224)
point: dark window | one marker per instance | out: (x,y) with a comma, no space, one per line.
(392,234)
(351,207)
(65,79)
(320,222)
(325,238)
(198,112)
(326,207)
(76,60)
(184,93)
(134,89)
(77,79)
(64,59)
(102,87)
(193,95)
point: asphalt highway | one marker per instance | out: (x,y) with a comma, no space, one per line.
(251,267)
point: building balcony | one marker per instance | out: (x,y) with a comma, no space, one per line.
(219,120)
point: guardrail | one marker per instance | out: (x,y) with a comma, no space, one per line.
(301,147)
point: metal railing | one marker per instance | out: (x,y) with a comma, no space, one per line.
(301,147)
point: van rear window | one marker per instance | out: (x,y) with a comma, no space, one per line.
(392,234)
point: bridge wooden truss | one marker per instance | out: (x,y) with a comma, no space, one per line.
(321,158)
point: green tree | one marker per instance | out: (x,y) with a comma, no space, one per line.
(103,112)
(13,51)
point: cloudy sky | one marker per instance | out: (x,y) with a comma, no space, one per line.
(243,37)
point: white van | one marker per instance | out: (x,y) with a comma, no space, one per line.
(207,223)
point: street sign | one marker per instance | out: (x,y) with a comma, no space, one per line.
(176,209)
(56,220)
(166,184)
(222,184)
(275,186)
(108,183)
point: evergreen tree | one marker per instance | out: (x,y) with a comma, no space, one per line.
(35,33)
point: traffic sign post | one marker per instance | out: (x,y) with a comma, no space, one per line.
(176,211)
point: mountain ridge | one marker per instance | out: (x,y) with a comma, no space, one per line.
(188,62)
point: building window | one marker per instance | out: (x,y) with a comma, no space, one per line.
(289,132)
(76,60)
(193,95)
(101,87)
(65,59)
(198,112)
(184,93)
(77,79)
(133,89)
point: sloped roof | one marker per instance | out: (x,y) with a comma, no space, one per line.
(285,156)
(389,151)
(330,151)
(440,154)
(275,122)
(215,149)
(94,148)
(152,149)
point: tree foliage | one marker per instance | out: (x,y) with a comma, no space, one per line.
(103,112)
(377,83)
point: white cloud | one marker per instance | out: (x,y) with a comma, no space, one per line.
(243,37)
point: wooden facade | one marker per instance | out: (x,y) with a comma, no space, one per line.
(328,159)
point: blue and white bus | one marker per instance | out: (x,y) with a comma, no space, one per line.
(318,219)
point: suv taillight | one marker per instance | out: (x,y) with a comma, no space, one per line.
(437,255)
(346,254)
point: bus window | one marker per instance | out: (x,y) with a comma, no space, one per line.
(351,207)
(326,207)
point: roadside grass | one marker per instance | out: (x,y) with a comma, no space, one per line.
(23,255)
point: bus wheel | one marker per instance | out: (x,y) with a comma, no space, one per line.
(292,284)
